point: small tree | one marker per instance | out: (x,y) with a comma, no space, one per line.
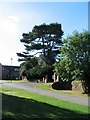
(75,60)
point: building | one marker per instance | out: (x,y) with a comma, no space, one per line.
(0,71)
(9,72)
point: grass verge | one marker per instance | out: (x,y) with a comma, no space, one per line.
(19,104)
(2,81)
(47,86)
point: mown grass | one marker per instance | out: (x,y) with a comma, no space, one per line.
(23,105)
(2,81)
(47,86)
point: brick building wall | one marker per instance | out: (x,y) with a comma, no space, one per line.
(9,72)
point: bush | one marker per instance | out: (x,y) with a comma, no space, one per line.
(64,85)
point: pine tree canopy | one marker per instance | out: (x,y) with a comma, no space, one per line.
(43,39)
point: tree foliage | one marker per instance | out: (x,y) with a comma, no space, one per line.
(44,40)
(74,62)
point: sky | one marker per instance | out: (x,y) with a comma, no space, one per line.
(17,18)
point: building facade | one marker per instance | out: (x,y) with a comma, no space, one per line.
(0,71)
(9,72)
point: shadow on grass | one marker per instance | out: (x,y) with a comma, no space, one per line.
(17,108)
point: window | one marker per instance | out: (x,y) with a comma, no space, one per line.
(16,69)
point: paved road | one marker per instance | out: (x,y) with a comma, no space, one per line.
(30,87)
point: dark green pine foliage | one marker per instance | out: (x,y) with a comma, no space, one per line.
(44,40)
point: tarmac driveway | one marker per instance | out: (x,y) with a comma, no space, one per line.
(29,86)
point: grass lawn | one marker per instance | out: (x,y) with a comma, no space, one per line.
(19,104)
(1,81)
(47,86)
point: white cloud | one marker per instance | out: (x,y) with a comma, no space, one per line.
(8,26)
(9,39)
(14,18)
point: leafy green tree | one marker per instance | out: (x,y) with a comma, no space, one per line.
(29,64)
(75,59)
(44,40)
